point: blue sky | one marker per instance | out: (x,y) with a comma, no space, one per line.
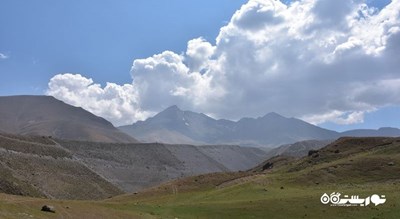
(101,39)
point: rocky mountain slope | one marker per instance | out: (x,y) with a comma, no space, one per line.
(132,167)
(47,167)
(47,116)
(298,149)
(36,166)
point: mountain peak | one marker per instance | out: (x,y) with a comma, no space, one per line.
(273,115)
(170,112)
(173,108)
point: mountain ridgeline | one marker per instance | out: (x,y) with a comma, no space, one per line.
(176,126)
(47,116)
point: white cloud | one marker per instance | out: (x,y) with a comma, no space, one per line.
(198,54)
(164,80)
(338,117)
(116,103)
(3,56)
(310,59)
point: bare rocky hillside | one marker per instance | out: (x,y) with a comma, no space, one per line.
(132,167)
(45,167)
(39,167)
(47,116)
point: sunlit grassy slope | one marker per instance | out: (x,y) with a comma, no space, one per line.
(350,166)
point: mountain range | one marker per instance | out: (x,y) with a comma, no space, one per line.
(174,125)
(47,116)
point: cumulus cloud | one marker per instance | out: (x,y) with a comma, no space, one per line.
(165,79)
(198,54)
(3,56)
(310,59)
(338,117)
(116,103)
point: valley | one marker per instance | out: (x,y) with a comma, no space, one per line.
(289,190)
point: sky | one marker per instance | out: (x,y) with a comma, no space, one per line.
(333,63)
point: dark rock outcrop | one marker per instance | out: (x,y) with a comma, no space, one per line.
(48,208)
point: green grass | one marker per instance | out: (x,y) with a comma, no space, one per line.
(253,200)
(250,200)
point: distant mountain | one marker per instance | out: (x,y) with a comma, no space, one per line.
(176,126)
(47,116)
(382,132)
